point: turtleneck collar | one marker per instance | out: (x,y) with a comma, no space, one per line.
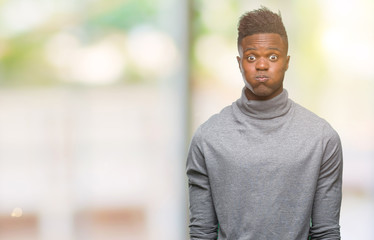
(267,109)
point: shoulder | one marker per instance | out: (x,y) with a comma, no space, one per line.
(314,124)
(218,122)
(215,124)
(308,116)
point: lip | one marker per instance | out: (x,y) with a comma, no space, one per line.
(262,78)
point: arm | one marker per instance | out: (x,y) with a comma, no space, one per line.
(203,220)
(327,200)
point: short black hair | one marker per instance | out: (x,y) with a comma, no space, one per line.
(261,20)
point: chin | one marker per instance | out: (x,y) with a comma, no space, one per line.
(263,93)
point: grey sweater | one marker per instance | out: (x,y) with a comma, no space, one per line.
(264,170)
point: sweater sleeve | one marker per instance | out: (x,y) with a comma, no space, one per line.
(203,220)
(327,200)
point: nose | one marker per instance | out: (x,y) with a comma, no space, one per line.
(262,64)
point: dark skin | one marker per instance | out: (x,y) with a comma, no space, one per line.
(263,61)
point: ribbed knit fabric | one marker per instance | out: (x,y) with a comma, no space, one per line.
(263,170)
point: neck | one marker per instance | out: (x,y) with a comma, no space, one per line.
(251,96)
(265,109)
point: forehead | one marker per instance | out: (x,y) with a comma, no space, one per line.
(263,40)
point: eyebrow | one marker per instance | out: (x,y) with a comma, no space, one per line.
(247,49)
(274,48)
(270,48)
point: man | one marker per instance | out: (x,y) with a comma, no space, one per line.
(264,167)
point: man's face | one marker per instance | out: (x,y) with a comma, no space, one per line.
(263,62)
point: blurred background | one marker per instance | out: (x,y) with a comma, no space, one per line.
(99,100)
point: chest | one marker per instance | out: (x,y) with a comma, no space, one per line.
(280,154)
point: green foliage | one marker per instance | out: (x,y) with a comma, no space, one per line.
(22,63)
(125,16)
(22,56)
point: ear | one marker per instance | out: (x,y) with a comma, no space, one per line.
(239,62)
(288,61)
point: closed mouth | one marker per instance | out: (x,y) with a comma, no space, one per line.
(262,78)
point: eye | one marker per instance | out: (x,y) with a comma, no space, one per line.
(273,57)
(251,58)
